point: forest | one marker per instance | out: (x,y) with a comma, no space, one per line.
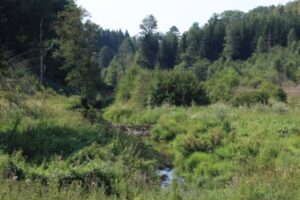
(94,113)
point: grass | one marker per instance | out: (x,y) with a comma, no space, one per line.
(50,148)
(50,151)
(233,153)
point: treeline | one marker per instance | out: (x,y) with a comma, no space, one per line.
(241,58)
(54,42)
(232,35)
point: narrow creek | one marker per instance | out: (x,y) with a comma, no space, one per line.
(167,176)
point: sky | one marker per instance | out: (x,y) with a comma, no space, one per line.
(128,14)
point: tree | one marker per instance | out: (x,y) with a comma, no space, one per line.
(261,45)
(125,54)
(183,43)
(77,50)
(194,39)
(149,44)
(168,55)
(105,56)
(232,43)
(149,25)
(120,63)
(213,38)
(26,29)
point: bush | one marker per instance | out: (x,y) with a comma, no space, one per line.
(273,91)
(118,114)
(143,88)
(177,87)
(221,86)
(87,179)
(250,98)
(196,159)
(279,94)
(191,143)
(168,128)
(126,85)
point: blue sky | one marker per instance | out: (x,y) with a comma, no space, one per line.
(128,14)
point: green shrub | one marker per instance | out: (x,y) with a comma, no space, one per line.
(167,129)
(126,85)
(118,114)
(190,143)
(273,91)
(220,87)
(144,88)
(249,98)
(196,159)
(178,88)
(226,152)
(269,153)
(279,94)
(87,179)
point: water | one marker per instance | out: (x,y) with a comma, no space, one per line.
(167,176)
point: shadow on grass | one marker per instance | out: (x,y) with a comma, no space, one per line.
(45,139)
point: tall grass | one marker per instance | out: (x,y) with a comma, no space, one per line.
(228,152)
(49,148)
(50,151)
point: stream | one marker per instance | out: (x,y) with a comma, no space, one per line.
(167,176)
(166,173)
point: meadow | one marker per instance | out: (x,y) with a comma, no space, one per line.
(49,150)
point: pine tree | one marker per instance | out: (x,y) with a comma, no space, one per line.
(149,43)
(169,49)
(232,39)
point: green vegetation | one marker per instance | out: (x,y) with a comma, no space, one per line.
(247,153)
(47,144)
(220,104)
